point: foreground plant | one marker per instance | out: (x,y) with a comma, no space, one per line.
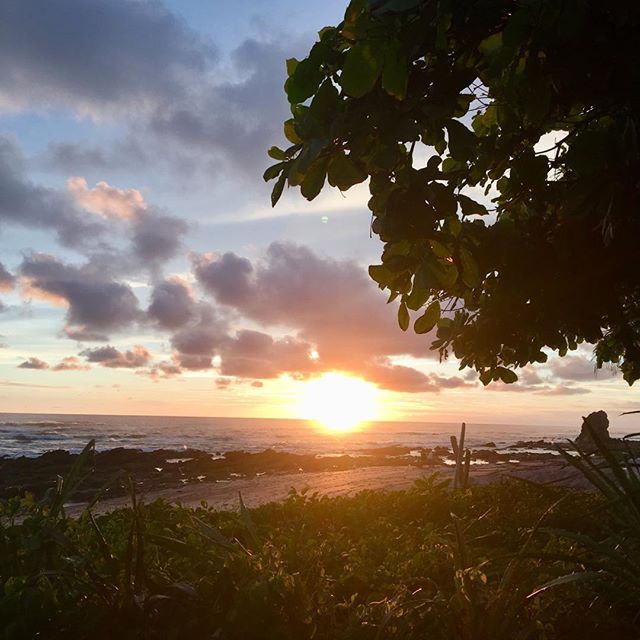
(611,557)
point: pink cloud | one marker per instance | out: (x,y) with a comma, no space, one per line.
(105,200)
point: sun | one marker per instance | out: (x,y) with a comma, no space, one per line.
(338,402)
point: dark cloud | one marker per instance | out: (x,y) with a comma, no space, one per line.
(162,370)
(252,354)
(332,305)
(248,110)
(110,357)
(193,361)
(409,380)
(156,238)
(26,204)
(97,57)
(85,335)
(96,303)
(172,303)
(228,278)
(7,280)
(71,363)
(33,363)
(75,158)
(196,344)
(138,61)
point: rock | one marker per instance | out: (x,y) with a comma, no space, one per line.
(599,424)
(488,445)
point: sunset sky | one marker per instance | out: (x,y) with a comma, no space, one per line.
(142,269)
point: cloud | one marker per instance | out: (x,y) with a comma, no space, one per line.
(162,370)
(7,383)
(562,390)
(71,363)
(7,280)
(574,368)
(139,62)
(111,358)
(228,278)
(105,200)
(156,238)
(29,205)
(247,111)
(33,363)
(333,307)
(96,303)
(409,380)
(99,57)
(253,354)
(332,303)
(172,303)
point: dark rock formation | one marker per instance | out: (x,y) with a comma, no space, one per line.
(596,423)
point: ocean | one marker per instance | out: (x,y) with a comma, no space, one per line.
(34,434)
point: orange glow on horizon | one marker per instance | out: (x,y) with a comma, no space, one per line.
(339,403)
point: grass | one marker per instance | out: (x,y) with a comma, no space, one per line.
(423,563)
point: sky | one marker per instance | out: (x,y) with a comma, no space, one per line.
(142,268)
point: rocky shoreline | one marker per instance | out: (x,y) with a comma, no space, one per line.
(170,469)
(165,470)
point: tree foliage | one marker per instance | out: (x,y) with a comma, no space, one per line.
(499,139)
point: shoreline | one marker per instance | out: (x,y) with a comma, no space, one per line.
(167,469)
(277,486)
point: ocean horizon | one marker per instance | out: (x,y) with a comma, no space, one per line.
(31,434)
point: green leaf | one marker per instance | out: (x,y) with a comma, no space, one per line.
(470,272)
(428,319)
(485,121)
(441,250)
(461,141)
(292,63)
(314,179)
(403,316)
(417,297)
(395,74)
(290,131)
(361,70)
(325,102)
(442,199)
(506,375)
(276,153)
(344,172)
(273,171)
(277,189)
(470,207)
(380,274)
(304,81)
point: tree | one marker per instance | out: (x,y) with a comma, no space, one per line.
(500,142)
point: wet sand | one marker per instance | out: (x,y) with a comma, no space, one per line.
(275,487)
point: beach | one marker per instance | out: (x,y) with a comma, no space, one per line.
(276,487)
(213,460)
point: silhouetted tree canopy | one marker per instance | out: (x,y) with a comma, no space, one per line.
(446,106)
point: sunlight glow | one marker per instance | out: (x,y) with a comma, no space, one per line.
(338,402)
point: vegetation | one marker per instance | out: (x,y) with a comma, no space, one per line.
(426,563)
(444,104)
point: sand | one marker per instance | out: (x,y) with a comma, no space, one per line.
(275,487)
